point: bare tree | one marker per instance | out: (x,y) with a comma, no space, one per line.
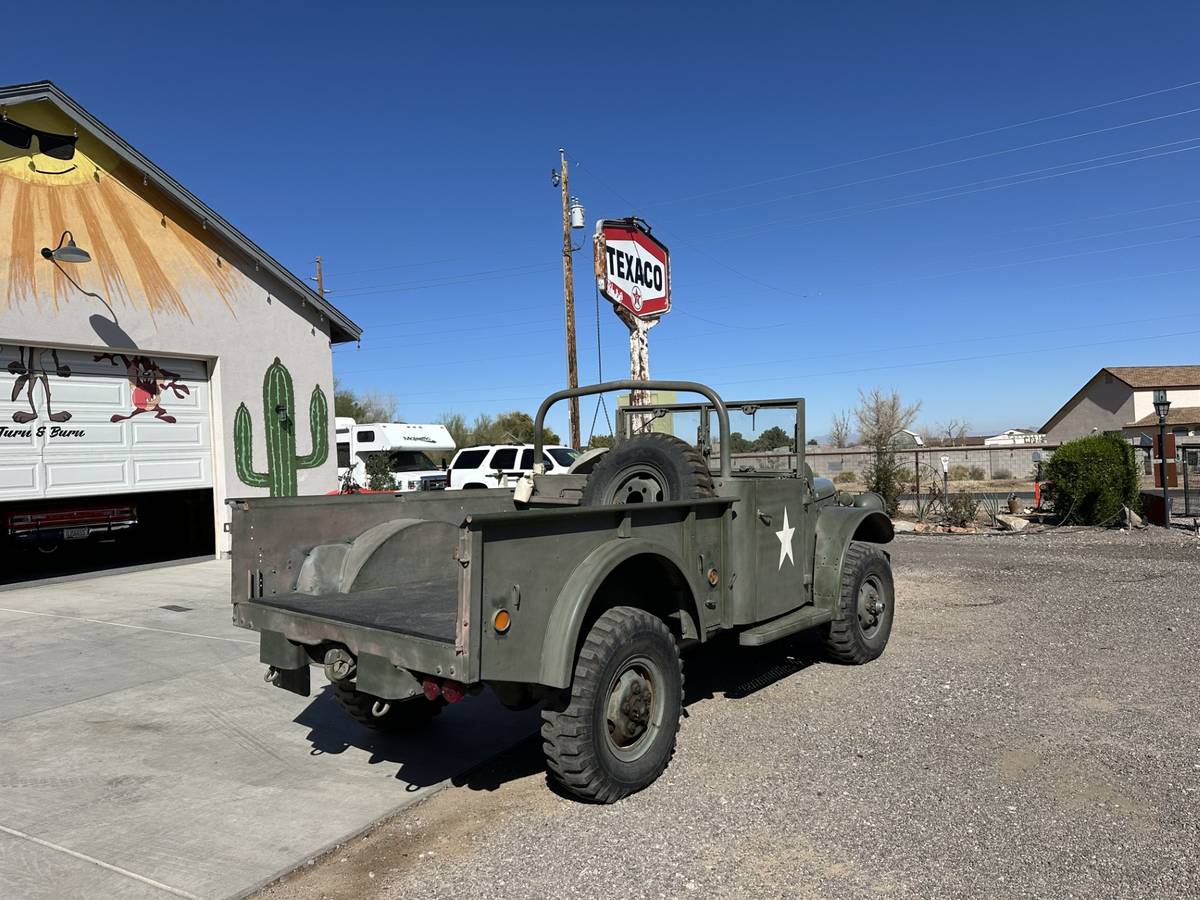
(881,416)
(457,426)
(954,431)
(839,429)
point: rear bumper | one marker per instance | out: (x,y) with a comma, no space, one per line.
(389,662)
(53,534)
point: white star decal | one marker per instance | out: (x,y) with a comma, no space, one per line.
(785,541)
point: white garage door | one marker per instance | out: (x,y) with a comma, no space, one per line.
(78,423)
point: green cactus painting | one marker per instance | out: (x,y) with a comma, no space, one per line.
(279,423)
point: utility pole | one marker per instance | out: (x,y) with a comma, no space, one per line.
(569,300)
(320,279)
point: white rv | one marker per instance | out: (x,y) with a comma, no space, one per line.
(417,454)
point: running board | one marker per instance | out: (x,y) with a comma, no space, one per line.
(805,617)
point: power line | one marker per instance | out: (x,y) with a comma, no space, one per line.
(989,338)
(1086,237)
(413,265)
(925,196)
(931,144)
(1058,348)
(1109,215)
(445,281)
(942,165)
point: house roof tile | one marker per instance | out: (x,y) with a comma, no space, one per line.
(1157,376)
(1177,415)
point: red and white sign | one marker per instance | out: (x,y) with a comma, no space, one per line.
(633,268)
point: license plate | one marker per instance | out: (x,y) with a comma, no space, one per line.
(75,534)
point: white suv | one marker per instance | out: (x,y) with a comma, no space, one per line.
(500,465)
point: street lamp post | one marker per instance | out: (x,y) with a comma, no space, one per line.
(1162,406)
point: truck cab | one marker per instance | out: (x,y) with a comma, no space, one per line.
(417,454)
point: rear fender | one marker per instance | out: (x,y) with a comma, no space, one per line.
(571,608)
(837,527)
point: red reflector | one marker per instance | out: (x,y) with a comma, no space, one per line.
(453,691)
(432,691)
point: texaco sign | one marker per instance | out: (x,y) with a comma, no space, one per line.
(633,268)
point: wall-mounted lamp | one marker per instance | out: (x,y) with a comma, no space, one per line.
(69,253)
(281,411)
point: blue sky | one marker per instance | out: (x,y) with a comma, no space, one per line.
(987,274)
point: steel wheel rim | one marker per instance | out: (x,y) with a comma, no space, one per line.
(635,708)
(641,483)
(872,606)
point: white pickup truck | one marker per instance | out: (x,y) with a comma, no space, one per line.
(418,454)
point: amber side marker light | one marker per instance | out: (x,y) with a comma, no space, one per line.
(501,621)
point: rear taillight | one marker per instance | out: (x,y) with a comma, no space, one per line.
(448,471)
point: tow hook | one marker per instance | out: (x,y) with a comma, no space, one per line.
(339,664)
(272,675)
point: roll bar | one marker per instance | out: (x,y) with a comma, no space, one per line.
(693,387)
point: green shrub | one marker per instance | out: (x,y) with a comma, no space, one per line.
(962,510)
(1092,478)
(886,477)
(378,472)
(1001,475)
(845,477)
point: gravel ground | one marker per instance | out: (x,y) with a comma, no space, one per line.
(1030,732)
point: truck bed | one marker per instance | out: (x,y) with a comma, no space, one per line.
(424,609)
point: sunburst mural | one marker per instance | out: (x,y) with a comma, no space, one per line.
(147,253)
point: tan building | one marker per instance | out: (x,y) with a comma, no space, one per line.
(154,361)
(1121,398)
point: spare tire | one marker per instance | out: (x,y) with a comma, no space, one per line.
(650,468)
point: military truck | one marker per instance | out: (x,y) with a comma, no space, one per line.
(576,591)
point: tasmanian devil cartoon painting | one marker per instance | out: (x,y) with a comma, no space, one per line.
(31,371)
(149,383)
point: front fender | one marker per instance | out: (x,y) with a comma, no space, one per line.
(571,607)
(837,526)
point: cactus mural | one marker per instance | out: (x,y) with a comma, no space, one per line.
(282,461)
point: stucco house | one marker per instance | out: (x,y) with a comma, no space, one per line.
(154,361)
(1121,398)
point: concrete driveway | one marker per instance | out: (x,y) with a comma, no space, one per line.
(141,754)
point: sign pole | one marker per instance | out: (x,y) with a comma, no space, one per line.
(639,358)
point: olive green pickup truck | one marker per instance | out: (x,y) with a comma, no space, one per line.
(575,591)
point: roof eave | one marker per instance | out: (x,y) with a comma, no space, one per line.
(341,328)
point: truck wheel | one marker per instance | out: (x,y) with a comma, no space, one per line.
(615,732)
(862,621)
(401,716)
(650,468)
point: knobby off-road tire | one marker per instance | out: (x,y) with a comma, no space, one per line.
(862,621)
(650,468)
(402,716)
(606,739)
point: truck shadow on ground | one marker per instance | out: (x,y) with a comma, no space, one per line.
(448,749)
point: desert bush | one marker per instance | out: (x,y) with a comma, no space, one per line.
(880,418)
(1092,478)
(962,510)
(967,473)
(991,504)
(845,477)
(1001,475)
(379,473)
